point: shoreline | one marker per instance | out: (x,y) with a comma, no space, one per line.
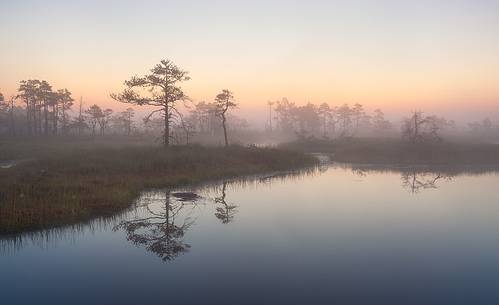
(49,193)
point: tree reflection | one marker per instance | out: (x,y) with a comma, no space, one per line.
(162,230)
(226,211)
(416,181)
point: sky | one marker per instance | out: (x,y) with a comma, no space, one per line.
(436,56)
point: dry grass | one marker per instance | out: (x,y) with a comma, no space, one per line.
(67,183)
(395,151)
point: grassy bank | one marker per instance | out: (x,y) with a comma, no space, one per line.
(395,151)
(63,184)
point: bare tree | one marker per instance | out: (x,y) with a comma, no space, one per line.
(159,89)
(420,128)
(223,102)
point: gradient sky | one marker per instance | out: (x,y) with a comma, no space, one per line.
(438,56)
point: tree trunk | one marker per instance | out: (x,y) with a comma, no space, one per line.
(324,127)
(28,118)
(12,122)
(55,111)
(45,116)
(225,131)
(166,139)
(39,119)
(129,124)
(63,119)
(416,127)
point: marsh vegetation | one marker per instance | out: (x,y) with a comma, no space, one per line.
(61,183)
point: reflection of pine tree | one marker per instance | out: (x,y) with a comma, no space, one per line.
(418,181)
(226,211)
(159,233)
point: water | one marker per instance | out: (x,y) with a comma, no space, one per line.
(336,235)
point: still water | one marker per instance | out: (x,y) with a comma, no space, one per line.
(332,235)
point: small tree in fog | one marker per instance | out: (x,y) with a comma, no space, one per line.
(104,120)
(160,89)
(79,121)
(412,126)
(65,102)
(421,128)
(3,105)
(94,114)
(223,102)
(344,115)
(4,108)
(325,114)
(380,124)
(357,113)
(126,118)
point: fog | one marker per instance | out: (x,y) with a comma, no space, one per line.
(37,110)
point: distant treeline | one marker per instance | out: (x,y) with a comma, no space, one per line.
(39,110)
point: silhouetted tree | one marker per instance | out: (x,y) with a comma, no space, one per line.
(65,101)
(224,101)
(344,114)
(79,121)
(307,118)
(27,92)
(285,114)
(270,104)
(420,128)
(94,115)
(104,120)
(125,119)
(159,89)
(380,124)
(357,113)
(47,97)
(326,113)
(7,112)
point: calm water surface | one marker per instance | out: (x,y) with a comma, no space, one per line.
(336,235)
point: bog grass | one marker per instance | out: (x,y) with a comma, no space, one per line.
(64,183)
(397,151)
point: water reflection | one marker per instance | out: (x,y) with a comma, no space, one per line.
(160,220)
(354,234)
(50,238)
(416,181)
(226,211)
(161,230)
(420,178)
